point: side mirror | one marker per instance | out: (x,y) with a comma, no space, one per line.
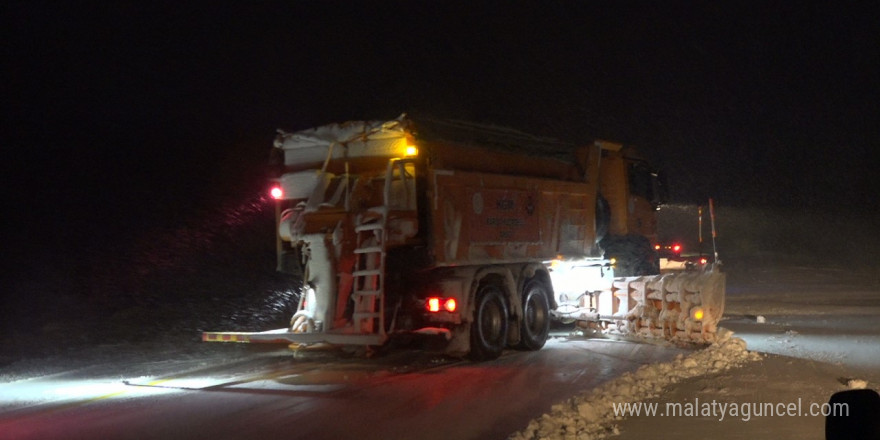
(854,415)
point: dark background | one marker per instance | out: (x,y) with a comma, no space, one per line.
(135,134)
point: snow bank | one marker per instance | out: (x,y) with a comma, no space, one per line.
(857,384)
(591,415)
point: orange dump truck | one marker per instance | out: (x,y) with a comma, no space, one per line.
(480,235)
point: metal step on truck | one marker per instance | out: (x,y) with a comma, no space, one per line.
(477,234)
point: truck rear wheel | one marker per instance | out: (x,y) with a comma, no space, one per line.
(535,324)
(489,328)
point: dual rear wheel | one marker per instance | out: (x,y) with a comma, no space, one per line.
(535,325)
(491,323)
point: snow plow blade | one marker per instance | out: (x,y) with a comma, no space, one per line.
(285,336)
(676,306)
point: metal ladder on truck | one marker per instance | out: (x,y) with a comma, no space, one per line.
(368,286)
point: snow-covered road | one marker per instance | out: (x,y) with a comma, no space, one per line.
(817,331)
(272,394)
(822,314)
(815,328)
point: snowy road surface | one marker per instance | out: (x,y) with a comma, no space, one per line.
(816,328)
(270,394)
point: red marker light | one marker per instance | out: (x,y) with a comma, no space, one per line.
(276,192)
(433,304)
(676,248)
(450,305)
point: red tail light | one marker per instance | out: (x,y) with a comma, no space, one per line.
(276,192)
(434,304)
(676,248)
(450,305)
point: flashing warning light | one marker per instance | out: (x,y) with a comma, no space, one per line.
(411,151)
(276,192)
(697,314)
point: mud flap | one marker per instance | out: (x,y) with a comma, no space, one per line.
(460,343)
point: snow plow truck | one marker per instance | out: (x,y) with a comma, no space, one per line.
(476,235)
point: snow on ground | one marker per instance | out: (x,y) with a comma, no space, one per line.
(593,415)
(147,298)
(811,331)
(813,320)
(775,380)
(817,313)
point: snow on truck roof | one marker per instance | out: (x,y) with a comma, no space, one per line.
(356,139)
(343,133)
(386,138)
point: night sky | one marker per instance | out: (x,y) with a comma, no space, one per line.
(120,116)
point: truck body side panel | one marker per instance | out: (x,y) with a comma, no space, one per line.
(482,218)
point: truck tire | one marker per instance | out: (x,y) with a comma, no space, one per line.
(489,328)
(535,324)
(634,255)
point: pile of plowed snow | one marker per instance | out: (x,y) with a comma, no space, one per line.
(591,415)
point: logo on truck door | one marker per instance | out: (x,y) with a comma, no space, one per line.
(504,216)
